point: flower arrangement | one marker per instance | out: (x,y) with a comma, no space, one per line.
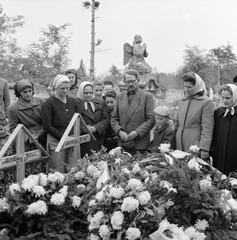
(118,196)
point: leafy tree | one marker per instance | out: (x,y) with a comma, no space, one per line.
(115,73)
(10,53)
(81,70)
(48,56)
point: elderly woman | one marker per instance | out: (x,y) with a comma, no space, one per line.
(195,116)
(95,114)
(27,110)
(57,113)
(223,149)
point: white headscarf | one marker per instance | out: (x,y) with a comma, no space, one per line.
(80,94)
(57,81)
(200,85)
(234,95)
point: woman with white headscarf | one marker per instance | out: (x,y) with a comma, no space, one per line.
(95,114)
(58,111)
(223,149)
(195,116)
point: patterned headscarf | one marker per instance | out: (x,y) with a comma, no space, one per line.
(80,94)
(200,85)
(57,81)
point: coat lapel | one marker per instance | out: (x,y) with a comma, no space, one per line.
(134,104)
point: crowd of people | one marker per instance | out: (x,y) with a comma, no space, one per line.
(123,119)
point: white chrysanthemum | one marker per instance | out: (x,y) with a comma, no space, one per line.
(81,188)
(43,179)
(233,203)
(134,184)
(164,147)
(96,220)
(205,185)
(168,186)
(38,207)
(133,233)
(64,190)
(93,171)
(224,193)
(144,197)
(116,192)
(129,204)
(100,196)
(56,177)
(14,188)
(169,159)
(94,237)
(193,234)
(117,220)
(116,150)
(104,231)
(136,168)
(57,199)
(29,182)
(125,170)
(79,175)
(92,203)
(194,165)
(194,148)
(38,190)
(76,201)
(201,224)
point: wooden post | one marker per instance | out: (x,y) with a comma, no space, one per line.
(20,148)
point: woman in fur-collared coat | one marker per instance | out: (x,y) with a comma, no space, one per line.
(195,116)
(95,114)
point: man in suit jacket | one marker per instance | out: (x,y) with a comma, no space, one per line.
(133,116)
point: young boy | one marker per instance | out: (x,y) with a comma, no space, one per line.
(98,88)
(110,136)
(163,132)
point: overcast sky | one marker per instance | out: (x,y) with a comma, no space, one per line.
(166,26)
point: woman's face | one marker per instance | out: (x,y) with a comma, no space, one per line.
(227,98)
(63,89)
(27,94)
(72,78)
(188,88)
(88,93)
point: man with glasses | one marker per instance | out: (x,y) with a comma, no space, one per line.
(133,116)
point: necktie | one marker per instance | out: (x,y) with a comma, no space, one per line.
(231,110)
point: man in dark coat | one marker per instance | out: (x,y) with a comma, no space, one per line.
(133,116)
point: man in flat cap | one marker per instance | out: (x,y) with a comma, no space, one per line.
(133,115)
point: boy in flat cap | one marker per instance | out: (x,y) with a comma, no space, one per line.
(163,132)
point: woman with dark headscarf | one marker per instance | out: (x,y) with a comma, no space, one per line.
(57,113)
(195,116)
(72,75)
(223,148)
(95,114)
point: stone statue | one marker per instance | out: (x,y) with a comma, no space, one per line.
(134,55)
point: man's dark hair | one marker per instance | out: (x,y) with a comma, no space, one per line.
(112,94)
(131,72)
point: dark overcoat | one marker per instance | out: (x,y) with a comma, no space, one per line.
(223,148)
(138,116)
(99,119)
(165,134)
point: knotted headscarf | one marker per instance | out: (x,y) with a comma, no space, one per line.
(22,85)
(234,95)
(80,94)
(199,86)
(57,81)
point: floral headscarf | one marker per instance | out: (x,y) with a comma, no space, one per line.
(80,94)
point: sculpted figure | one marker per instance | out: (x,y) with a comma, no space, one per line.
(135,54)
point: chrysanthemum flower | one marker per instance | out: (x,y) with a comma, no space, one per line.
(104,231)
(14,188)
(38,207)
(133,233)
(116,192)
(76,201)
(144,197)
(64,190)
(43,179)
(56,177)
(129,204)
(134,184)
(38,190)
(117,220)
(57,199)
